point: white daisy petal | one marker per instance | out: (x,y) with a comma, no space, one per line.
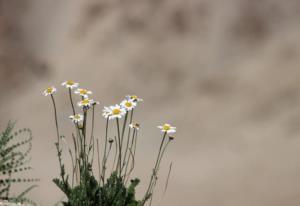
(113,112)
(128,104)
(134,98)
(49,91)
(70,84)
(85,103)
(83,92)
(76,118)
(167,128)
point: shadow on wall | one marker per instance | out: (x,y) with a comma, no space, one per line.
(17,65)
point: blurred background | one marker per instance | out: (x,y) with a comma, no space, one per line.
(226,73)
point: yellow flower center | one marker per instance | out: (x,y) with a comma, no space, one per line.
(70,82)
(85,101)
(166,127)
(77,116)
(116,111)
(128,104)
(49,90)
(83,91)
(134,97)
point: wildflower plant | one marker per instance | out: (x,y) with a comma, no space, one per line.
(15,147)
(113,185)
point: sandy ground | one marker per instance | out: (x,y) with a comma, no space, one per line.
(225,74)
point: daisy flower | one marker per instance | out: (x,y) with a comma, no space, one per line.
(49,91)
(167,128)
(134,98)
(76,118)
(134,126)
(113,112)
(83,92)
(70,84)
(85,102)
(128,104)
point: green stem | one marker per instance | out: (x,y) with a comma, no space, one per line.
(92,132)
(128,137)
(116,152)
(130,148)
(157,168)
(99,167)
(62,172)
(105,148)
(154,170)
(120,148)
(71,100)
(55,116)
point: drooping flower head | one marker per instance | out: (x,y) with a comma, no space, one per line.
(134,126)
(83,92)
(70,84)
(171,138)
(49,91)
(134,98)
(167,128)
(77,118)
(113,112)
(86,103)
(128,104)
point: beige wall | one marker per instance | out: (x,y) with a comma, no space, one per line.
(226,73)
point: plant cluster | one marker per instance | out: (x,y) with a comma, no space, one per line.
(115,162)
(15,148)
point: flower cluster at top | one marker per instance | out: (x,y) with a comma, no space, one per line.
(109,112)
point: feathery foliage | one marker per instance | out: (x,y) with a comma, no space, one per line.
(15,147)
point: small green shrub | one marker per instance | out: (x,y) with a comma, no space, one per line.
(80,185)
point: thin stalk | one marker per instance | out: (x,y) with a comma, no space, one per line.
(85,156)
(168,177)
(71,100)
(76,151)
(133,155)
(128,136)
(124,127)
(105,148)
(93,151)
(132,167)
(98,154)
(154,170)
(128,159)
(116,152)
(73,167)
(55,116)
(92,132)
(162,154)
(152,194)
(58,140)
(74,112)
(105,160)
(120,148)
(157,168)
